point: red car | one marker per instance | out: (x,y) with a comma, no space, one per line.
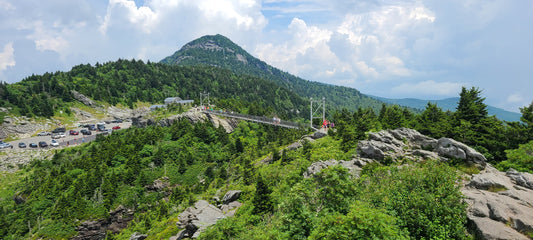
(73,132)
(116,127)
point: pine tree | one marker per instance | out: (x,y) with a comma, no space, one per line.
(262,201)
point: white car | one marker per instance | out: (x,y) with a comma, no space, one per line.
(44,134)
(54,143)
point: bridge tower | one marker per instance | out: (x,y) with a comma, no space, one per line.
(321,104)
(204,96)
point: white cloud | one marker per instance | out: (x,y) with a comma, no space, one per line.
(428,88)
(142,16)
(306,48)
(7,57)
(6,6)
(515,98)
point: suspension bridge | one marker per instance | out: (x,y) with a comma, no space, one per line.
(258,119)
(320,105)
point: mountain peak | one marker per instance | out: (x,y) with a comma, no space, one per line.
(209,43)
(219,51)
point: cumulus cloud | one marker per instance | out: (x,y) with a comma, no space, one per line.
(428,88)
(142,17)
(7,57)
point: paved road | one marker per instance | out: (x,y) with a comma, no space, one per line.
(69,140)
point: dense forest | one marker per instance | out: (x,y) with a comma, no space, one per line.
(200,161)
(219,51)
(129,81)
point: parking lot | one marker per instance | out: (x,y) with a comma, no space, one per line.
(68,140)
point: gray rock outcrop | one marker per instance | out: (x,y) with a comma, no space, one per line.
(84,99)
(499,207)
(354,166)
(138,236)
(194,220)
(410,144)
(192,115)
(94,230)
(231,196)
(522,179)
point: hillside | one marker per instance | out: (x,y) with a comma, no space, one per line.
(128,82)
(219,51)
(450,104)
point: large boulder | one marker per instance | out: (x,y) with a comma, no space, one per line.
(194,220)
(231,196)
(522,179)
(498,207)
(450,148)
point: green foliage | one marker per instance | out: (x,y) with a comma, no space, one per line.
(424,198)
(361,222)
(520,159)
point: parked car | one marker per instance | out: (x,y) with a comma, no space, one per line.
(92,127)
(33,145)
(58,135)
(73,132)
(5,145)
(43,144)
(101,128)
(54,143)
(59,130)
(117,121)
(44,134)
(116,127)
(86,132)
(22,145)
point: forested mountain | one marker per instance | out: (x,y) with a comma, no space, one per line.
(129,81)
(217,50)
(449,104)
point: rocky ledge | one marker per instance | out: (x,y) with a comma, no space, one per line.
(192,115)
(196,219)
(500,204)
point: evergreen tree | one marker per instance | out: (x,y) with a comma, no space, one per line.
(471,107)
(262,201)
(527,118)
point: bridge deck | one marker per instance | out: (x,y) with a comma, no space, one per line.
(258,119)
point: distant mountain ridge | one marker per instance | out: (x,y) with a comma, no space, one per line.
(450,104)
(217,50)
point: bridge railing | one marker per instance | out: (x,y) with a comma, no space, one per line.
(261,119)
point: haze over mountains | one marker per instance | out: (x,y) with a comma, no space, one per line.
(449,104)
(219,51)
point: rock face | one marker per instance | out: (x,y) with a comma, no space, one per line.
(96,230)
(354,166)
(500,204)
(196,219)
(409,143)
(82,98)
(192,115)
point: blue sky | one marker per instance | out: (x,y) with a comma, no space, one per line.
(390,48)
